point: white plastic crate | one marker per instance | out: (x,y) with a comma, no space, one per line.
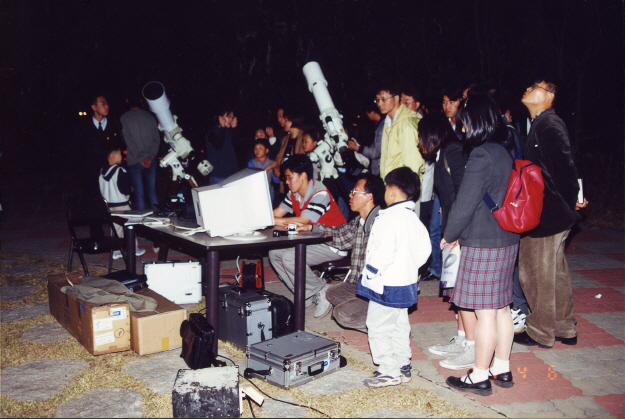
(180,282)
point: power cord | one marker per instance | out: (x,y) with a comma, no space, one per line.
(268,396)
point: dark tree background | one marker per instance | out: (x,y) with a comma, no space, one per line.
(57,54)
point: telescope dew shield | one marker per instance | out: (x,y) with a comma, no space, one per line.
(154,94)
(330,116)
(317,84)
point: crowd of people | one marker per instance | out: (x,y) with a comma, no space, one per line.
(424,169)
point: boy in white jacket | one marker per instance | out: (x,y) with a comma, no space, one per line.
(398,246)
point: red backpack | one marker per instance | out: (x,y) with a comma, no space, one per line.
(523,202)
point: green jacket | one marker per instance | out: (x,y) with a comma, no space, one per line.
(400,144)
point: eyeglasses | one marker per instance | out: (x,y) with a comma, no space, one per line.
(354,192)
(535,86)
(382,99)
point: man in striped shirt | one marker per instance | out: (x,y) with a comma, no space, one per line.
(310,203)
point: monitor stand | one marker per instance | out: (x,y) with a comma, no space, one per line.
(246,236)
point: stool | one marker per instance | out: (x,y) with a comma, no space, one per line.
(333,269)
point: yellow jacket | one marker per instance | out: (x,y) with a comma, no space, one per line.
(400,144)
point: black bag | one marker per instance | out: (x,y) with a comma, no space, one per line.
(197,342)
(282,309)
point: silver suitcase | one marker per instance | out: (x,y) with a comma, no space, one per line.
(294,359)
(244,317)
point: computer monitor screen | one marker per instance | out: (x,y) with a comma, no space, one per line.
(239,205)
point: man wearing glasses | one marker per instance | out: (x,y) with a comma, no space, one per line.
(543,270)
(350,310)
(400,140)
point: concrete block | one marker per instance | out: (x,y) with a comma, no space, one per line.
(206,393)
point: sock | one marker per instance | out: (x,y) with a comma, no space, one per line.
(476,376)
(469,343)
(499,366)
(461,333)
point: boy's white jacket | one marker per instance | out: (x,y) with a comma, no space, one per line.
(399,244)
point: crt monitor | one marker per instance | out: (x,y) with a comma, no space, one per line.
(238,206)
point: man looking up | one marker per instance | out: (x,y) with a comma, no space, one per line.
(400,140)
(543,269)
(310,203)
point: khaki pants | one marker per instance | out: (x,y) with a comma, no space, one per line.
(283,262)
(546,281)
(389,338)
(350,310)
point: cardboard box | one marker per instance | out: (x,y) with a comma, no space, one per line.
(100,329)
(159,330)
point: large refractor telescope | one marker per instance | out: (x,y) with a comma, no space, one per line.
(180,147)
(329,150)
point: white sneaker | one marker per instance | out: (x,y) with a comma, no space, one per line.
(518,319)
(310,302)
(465,359)
(454,346)
(323,305)
(140,251)
(117,254)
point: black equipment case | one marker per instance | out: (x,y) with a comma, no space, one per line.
(197,342)
(293,359)
(250,316)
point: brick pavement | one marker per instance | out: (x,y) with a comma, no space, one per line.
(585,380)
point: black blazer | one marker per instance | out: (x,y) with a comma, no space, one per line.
(448,183)
(549,147)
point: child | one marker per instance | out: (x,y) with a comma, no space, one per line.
(398,246)
(310,140)
(262,161)
(115,189)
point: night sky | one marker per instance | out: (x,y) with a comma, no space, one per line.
(249,54)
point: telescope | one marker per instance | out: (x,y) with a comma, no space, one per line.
(329,150)
(180,147)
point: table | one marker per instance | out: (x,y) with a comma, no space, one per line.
(207,249)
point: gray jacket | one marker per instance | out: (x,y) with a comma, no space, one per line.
(488,170)
(140,132)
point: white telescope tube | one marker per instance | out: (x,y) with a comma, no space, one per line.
(318,85)
(330,116)
(154,94)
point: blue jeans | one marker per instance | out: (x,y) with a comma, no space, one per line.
(435,238)
(143,182)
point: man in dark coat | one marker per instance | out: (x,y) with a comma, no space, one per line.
(544,273)
(90,145)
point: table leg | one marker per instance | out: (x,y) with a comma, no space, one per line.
(300,287)
(131,258)
(211,290)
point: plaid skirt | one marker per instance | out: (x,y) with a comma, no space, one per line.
(485,277)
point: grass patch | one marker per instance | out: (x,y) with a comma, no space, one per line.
(106,371)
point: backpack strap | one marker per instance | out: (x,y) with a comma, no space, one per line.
(492,207)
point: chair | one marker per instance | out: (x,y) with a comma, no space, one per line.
(333,269)
(91,212)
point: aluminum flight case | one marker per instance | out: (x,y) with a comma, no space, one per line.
(244,316)
(294,359)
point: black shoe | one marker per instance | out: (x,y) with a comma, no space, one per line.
(430,277)
(483,388)
(524,339)
(502,380)
(567,341)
